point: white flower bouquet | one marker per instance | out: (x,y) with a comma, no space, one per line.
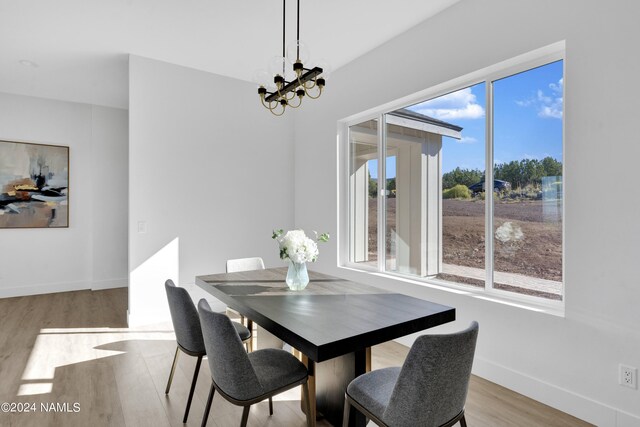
(297,247)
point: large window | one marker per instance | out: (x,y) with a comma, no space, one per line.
(465,187)
(363,190)
(527,154)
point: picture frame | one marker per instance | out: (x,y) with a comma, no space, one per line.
(34,185)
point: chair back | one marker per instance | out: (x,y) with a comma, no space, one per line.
(184,316)
(229,363)
(434,379)
(244,264)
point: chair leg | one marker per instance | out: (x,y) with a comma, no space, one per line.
(463,422)
(347,410)
(208,407)
(173,369)
(193,388)
(250,327)
(307,403)
(270,406)
(245,416)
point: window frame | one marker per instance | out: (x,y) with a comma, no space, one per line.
(488,75)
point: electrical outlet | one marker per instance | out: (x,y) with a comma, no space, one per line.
(628,376)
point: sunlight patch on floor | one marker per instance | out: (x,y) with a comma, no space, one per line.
(293,394)
(30,389)
(58,347)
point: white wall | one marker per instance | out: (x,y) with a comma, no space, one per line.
(110,180)
(210,176)
(570,363)
(91,253)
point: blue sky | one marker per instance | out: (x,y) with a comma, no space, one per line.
(528,110)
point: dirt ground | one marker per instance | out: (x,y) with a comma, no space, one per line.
(532,245)
(528,235)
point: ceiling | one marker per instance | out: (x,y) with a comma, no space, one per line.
(77,50)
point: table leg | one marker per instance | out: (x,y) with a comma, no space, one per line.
(328,381)
(311,383)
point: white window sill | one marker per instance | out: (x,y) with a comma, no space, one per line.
(525,302)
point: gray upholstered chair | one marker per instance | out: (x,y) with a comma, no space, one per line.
(429,390)
(246,378)
(186,325)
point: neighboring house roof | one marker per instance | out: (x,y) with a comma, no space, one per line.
(404,124)
(408,114)
(404,118)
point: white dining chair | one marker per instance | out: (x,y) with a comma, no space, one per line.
(264,338)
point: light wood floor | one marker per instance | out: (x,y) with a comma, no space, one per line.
(75,348)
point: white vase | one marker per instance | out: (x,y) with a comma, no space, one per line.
(297,276)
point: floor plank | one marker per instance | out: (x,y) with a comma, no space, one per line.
(75,347)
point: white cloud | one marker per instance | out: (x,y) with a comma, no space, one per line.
(557,88)
(461,104)
(548,105)
(467,140)
(552,111)
(543,98)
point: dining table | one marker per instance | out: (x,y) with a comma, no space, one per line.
(332,324)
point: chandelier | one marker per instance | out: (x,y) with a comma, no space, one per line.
(304,82)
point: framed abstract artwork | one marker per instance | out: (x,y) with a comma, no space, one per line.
(34,185)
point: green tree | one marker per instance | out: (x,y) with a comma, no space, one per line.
(510,172)
(373,187)
(551,167)
(521,173)
(459,176)
(391,187)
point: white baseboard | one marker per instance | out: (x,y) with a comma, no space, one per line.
(564,400)
(48,288)
(110,284)
(52,288)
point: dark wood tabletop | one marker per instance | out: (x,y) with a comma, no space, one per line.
(331,317)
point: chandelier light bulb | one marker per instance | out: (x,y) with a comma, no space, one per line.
(297,50)
(278,66)
(262,78)
(326,68)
